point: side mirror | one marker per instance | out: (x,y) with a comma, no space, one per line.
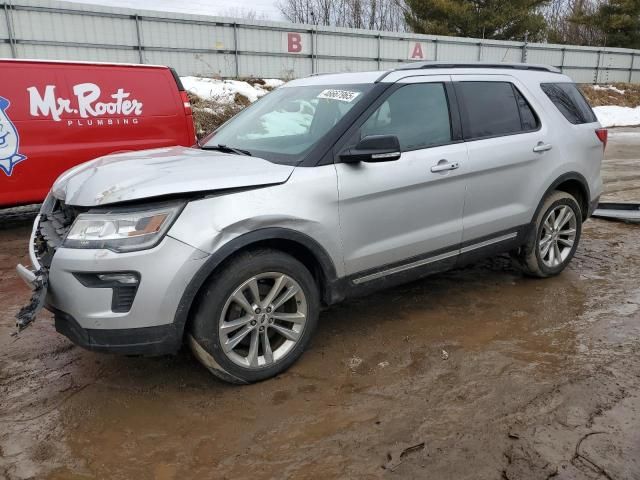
(373,148)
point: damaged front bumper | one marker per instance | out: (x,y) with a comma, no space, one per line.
(49,228)
(37,278)
(107,317)
(39,282)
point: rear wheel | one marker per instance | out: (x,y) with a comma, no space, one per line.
(557,232)
(255,317)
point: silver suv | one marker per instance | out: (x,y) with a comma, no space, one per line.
(329,187)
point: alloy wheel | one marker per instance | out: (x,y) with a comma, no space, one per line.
(557,236)
(262,320)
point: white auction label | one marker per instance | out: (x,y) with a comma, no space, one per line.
(342,95)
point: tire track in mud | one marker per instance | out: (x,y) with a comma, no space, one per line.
(562,418)
(601,401)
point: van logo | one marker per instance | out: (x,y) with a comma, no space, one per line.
(9,140)
(86,105)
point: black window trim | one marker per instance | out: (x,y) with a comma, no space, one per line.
(517,92)
(464,118)
(515,95)
(454,118)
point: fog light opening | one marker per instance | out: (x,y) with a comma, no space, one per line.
(121,278)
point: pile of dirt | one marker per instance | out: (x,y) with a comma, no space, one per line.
(615,94)
(210,114)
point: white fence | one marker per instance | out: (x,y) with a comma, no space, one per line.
(198,44)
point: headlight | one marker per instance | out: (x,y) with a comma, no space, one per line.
(123,230)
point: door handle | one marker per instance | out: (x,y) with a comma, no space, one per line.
(542,147)
(445,166)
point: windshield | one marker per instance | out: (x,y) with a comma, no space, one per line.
(285,124)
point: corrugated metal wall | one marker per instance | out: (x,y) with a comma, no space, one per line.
(204,45)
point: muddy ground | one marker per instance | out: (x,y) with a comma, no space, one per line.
(541,379)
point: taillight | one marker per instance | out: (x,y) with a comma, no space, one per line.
(186,102)
(603,136)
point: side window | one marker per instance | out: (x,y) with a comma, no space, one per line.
(570,101)
(418,114)
(492,109)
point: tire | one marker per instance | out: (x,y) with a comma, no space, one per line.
(534,259)
(222,316)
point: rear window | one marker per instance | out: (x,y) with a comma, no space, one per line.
(570,101)
(492,109)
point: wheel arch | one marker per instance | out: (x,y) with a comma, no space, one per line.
(573,183)
(299,245)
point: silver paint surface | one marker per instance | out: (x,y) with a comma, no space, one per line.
(163,171)
(165,271)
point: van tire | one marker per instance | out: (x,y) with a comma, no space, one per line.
(216,304)
(528,258)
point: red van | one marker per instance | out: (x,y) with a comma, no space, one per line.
(54,115)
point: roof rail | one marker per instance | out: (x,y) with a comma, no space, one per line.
(514,66)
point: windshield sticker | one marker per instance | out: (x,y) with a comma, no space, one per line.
(9,140)
(341,95)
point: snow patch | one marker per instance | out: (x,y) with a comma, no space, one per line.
(224,91)
(272,82)
(613,116)
(610,88)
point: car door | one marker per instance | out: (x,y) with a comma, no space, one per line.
(405,213)
(509,146)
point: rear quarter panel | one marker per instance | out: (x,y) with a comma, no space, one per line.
(577,147)
(66,114)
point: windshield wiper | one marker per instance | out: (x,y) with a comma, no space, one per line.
(225,148)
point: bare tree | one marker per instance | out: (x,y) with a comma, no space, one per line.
(245,14)
(368,14)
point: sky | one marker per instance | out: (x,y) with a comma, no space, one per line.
(265,9)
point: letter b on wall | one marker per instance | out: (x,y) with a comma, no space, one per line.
(295,42)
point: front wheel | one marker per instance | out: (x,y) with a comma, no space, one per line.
(557,233)
(255,317)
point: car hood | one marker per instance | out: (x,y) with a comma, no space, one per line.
(163,171)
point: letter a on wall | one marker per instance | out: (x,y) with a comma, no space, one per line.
(416,51)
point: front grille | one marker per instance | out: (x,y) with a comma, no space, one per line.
(52,230)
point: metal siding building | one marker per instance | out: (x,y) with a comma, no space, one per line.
(226,47)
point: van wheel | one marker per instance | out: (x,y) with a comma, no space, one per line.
(557,232)
(255,317)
